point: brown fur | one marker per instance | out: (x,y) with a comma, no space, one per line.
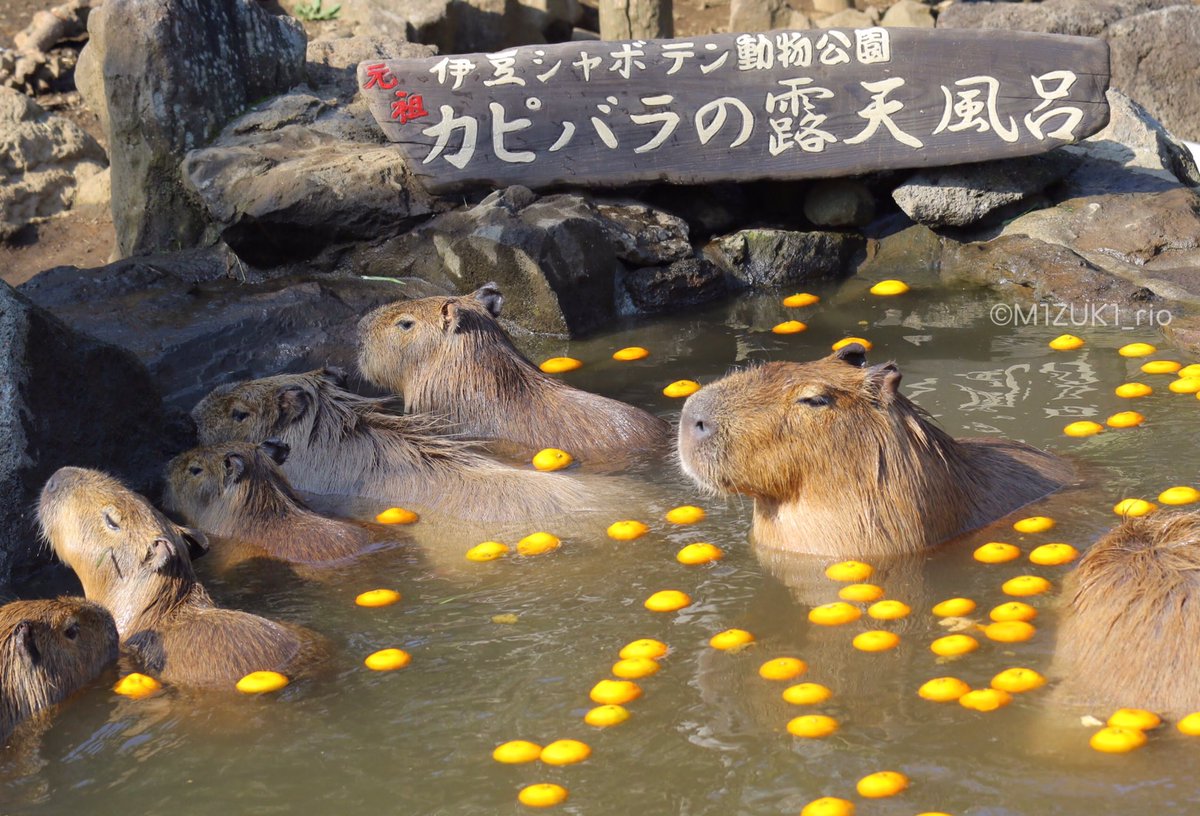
(135,562)
(1129,629)
(840,463)
(49,649)
(346,445)
(449,356)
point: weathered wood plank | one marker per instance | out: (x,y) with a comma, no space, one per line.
(780,105)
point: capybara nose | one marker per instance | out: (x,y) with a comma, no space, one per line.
(701,428)
(697,423)
(52,484)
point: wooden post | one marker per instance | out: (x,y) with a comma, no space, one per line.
(636,19)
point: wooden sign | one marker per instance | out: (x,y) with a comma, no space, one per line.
(778,105)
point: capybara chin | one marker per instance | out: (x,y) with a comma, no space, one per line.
(449,356)
(135,562)
(840,463)
(1129,625)
(343,444)
(49,649)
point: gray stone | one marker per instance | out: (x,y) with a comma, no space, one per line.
(332,63)
(684,283)
(831,6)
(65,399)
(165,76)
(958,196)
(839,203)
(1087,18)
(1155,60)
(850,18)
(771,258)
(43,158)
(645,236)
(908,14)
(764,15)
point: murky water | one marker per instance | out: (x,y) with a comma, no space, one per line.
(708,736)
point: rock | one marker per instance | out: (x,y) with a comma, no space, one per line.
(43,157)
(65,399)
(771,258)
(764,15)
(1151,54)
(1087,18)
(850,18)
(839,203)
(165,76)
(908,14)
(958,196)
(831,6)
(49,27)
(332,63)
(684,283)
(645,236)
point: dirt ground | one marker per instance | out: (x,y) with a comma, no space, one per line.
(697,17)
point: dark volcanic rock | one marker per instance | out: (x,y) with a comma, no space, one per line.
(1086,18)
(1155,60)
(644,235)
(684,283)
(770,258)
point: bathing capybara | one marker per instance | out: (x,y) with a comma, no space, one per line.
(1130,619)
(236,491)
(135,562)
(49,649)
(840,463)
(449,356)
(343,444)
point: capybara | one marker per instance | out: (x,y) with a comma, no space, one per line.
(237,492)
(49,649)
(134,561)
(449,356)
(1129,625)
(840,463)
(343,444)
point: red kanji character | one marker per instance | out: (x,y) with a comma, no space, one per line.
(378,75)
(406,108)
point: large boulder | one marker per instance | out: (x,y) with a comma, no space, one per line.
(165,76)
(686,282)
(770,258)
(1155,60)
(1085,18)
(65,399)
(43,158)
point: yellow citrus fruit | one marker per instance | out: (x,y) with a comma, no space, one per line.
(685,514)
(985,699)
(631,353)
(387,660)
(542,794)
(606,715)
(1138,718)
(863,593)
(800,299)
(1013,611)
(881,784)
(886,288)
(1013,631)
(548,459)
(828,806)
(627,530)
(806,694)
(876,641)
(731,639)
(1179,495)
(1083,428)
(952,645)
(997,552)
(1190,724)
(557,365)
(1125,419)
(1025,585)
(538,543)
(699,553)
(1161,367)
(517,752)
(1017,680)
(377,597)
(889,610)
(615,692)
(681,388)
(644,647)
(487,551)
(136,685)
(954,608)
(396,515)
(1134,507)
(943,689)
(261,682)
(1034,524)
(782,668)
(1066,342)
(813,726)
(849,571)
(1136,350)
(667,600)
(632,668)
(1185,385)
(789,327)
(1192,370)
(1133,390)
(565,752)
(1112,740)
(845,341)
(1053,555)
(834,614)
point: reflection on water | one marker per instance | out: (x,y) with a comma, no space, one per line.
(708,736)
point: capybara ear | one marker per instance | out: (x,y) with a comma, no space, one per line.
(449,316)
(491,297)
(196,541)
(854,354)
(160,555)
(335,376)
(235,468)
(23,641)
(276,449)
(884,380)
(294,402)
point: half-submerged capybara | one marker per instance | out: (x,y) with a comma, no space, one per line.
(237,492)
(343,444)
(449,356)
(840,463)
(49,649)
(1129,626)
(134,561)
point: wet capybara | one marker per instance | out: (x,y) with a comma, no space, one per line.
(237,492)
(343,444)
(134,561)
(840,463)
(49,649)
(449,356)
(1129,623)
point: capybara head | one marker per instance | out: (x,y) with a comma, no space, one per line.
(128,556)
(258,410)
(396,340)
(213,486)
(1129,632)
(48,650)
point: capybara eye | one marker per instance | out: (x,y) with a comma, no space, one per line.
(239,416)
(111,523)
(819,401)
(72,631)
(195,470)
(406,323)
